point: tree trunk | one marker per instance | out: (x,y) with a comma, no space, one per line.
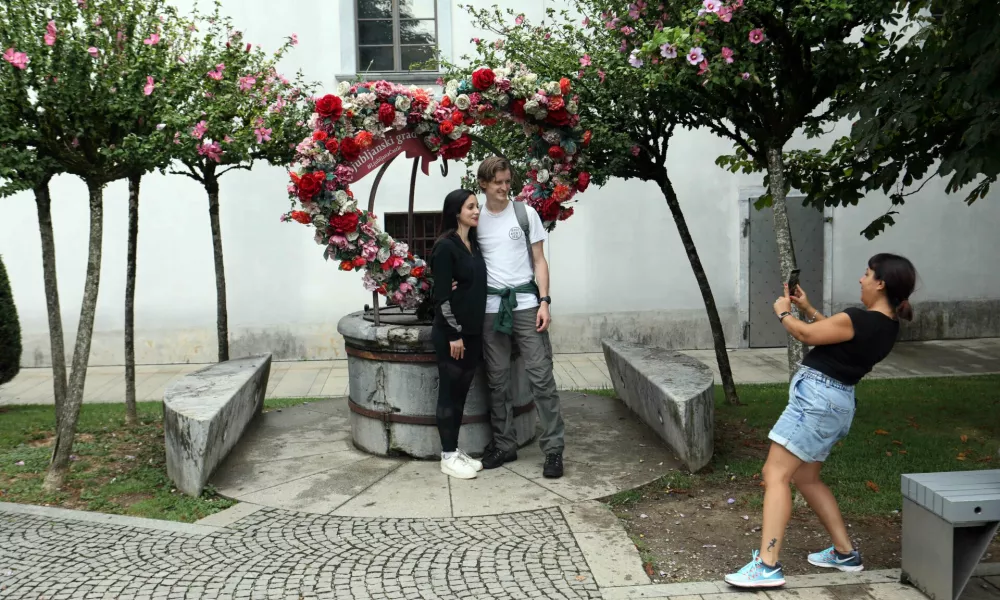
(222,313)
(57,343)
(67,414)
(783,236)
(718,336)
(131,416)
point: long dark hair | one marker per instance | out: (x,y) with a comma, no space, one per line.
(453,204)
(899,277)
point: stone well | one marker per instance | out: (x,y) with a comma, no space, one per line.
(393,382)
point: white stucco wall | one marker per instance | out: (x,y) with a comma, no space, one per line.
(618,267)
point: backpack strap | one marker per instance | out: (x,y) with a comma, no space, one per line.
(522,220)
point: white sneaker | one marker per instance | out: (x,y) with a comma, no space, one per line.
(457,467)
(477,465)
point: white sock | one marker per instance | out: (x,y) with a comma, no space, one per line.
(448,455)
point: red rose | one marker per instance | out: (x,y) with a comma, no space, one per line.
(549,211)
(345,223)
(586,138)
(446,127)
(556,102)
(470,121)
(458,149)
(319,136)
(564,86)
(386,114)
(301,217)
(517,107)
(330,107)
(332,145)
(360,262)
(565,214)
(417,272)
(489,121)
(483,79)
(559,117)
(347,266)
(556,153)
(311,184)
(457,117)
(582,181)
(445,102)
(349,149)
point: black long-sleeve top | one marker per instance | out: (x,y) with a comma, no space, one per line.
(460,311)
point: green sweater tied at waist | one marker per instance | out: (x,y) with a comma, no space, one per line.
(504,321)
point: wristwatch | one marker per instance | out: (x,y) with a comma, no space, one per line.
(783,315)
(547,299)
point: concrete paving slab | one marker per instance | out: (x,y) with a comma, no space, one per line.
(499,491)
(612,558)
(238,479)
(417,489)
(590,516)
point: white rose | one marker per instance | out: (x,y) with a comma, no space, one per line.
(531,106)
(452,87)
(402,103)
(349,206)
(403,269)
(572,107)
(343,88)
(383,254)
(456,133)
(462,102)
(400,121)
(504,100)
(543,176)
(422,128)
(353,236)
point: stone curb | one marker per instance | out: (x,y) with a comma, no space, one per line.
(66,514)
(668,590)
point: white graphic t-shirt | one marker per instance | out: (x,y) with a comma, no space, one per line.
(501,240)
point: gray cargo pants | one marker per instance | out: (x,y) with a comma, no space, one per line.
(536,350)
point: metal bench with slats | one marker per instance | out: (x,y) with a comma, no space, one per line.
(949,520)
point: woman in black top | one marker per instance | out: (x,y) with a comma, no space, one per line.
(820,409)
(459,309)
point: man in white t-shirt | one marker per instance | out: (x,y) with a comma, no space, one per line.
(517,311)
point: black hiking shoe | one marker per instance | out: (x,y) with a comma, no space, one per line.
(494,457)
(553,465)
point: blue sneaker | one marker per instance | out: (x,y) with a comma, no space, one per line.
(757,575)
(831,559)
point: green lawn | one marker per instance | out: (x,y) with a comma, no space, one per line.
(115,469)
(901,426)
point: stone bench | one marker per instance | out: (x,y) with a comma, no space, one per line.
(671,392)
(206,412)
(949,520)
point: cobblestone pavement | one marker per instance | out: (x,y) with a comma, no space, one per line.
(282,554)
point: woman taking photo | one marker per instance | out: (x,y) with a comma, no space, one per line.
(459,309)
(820,408)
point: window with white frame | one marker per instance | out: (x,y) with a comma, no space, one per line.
(395,35)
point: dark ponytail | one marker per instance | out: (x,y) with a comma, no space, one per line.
(899,277)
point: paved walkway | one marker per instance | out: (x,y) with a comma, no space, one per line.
(572,371)
(302,458)
(555,553)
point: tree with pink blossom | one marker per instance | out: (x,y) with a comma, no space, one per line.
(626,126)
(82,84)
(757,73)
(240,110)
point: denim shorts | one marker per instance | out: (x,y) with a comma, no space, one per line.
(819,414)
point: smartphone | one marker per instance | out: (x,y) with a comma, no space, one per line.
(793,281)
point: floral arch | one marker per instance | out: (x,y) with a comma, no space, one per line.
(365,124)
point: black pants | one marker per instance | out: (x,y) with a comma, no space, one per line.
(455,379)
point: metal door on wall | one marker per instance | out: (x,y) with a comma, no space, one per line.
(765,278)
